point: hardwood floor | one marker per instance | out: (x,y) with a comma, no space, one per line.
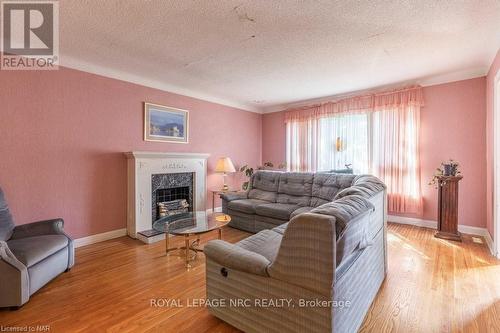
(432,286)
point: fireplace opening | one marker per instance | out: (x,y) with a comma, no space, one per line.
(172,194)
(173,201)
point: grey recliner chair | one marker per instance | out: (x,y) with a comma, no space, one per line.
(30,256)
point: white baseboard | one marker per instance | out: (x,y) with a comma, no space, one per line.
(412,221)
(433,225)
(100,237)
(115,234)
(491,245)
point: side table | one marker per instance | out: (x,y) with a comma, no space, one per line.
(219,192)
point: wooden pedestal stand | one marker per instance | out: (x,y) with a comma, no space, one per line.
(448,208)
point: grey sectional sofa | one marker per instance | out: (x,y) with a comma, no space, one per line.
(319,272)
(275,197)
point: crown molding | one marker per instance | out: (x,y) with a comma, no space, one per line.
(461,75)
(425,81)
(77,64)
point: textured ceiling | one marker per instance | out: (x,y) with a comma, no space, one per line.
(262,55)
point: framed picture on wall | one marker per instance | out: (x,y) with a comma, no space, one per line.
(166,124)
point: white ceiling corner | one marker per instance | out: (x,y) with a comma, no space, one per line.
(261,55)
(80,65)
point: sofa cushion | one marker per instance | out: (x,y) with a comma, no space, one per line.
(265,180)
(245,205)
(296,183)
(363,185)
(230,196)
(262,195)
(295,188)
(344,210)
(300,211)
(300,201)
(6,221)
(31,250)
(264,185)
(326,186)
(236,257)
(276,210)
(265,243)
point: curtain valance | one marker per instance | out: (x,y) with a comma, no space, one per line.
(404,97)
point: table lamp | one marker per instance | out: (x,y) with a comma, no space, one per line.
(224,166)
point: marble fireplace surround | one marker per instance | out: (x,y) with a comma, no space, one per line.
(142,165)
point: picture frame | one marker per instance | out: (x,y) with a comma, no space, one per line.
(165,124)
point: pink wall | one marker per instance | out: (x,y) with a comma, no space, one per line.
(452,126)
(63,137)
(495,67)
(273,137)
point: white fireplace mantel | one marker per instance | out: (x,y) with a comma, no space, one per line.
(153,155)
(142,165)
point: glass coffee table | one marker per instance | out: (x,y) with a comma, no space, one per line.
(190,225)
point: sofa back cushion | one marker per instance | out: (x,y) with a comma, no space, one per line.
(264,185)
(326,186)
(364,185)
(295,188)
(344,210)
(6,221)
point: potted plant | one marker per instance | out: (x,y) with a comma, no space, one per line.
(447,169)
(450,168)
(249,171)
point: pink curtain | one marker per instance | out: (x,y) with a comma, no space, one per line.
(394,140)
(395,155)
(302,151)
(403,97)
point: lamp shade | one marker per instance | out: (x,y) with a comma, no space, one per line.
(224,165)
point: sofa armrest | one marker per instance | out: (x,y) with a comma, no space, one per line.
(231,196)
(307,253)
(235,257)
(14,280)
(48,227)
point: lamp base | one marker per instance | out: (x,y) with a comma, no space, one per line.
(224,187)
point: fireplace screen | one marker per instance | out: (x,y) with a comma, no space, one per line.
(171,194)
(172,201)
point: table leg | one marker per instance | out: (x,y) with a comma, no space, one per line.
(186,241)
(166,242)
(197,248)
(220,233)
(213,202)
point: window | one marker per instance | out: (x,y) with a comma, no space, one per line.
(329,143)
(378,136)
(343,140)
